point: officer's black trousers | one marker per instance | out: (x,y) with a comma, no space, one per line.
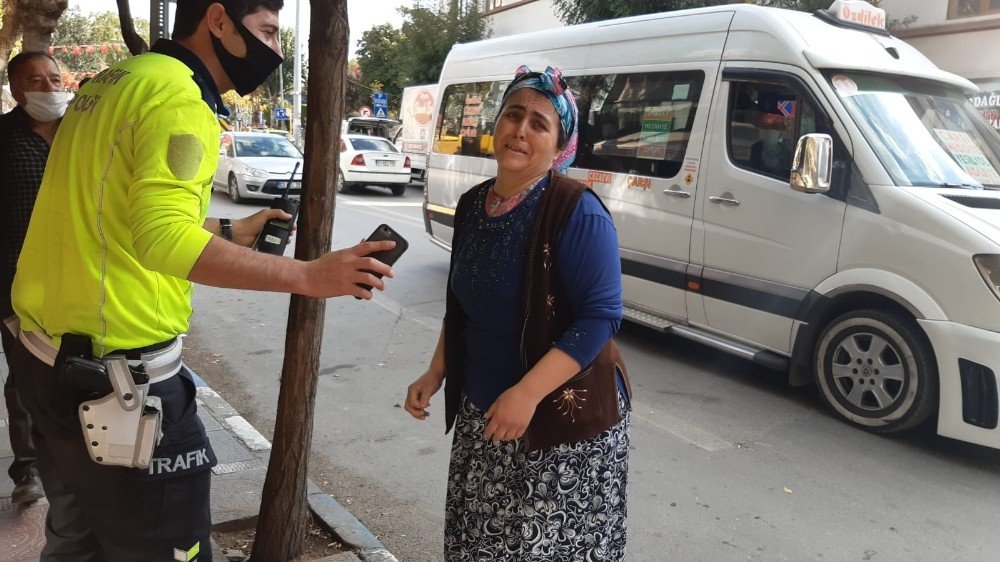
(116,514)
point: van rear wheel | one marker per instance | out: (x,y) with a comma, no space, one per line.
(876,370)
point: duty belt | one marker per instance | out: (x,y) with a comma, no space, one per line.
(160,364)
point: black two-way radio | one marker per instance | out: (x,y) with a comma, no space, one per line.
(273,238)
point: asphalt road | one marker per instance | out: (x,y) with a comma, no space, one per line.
(728,461)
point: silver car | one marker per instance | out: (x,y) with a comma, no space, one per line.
(257,166)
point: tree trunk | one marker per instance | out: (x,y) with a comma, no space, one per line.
(39,19)
(10,28)
(283,521)
(136,44)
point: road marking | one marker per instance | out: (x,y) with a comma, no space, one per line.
(396,308)
(386,212)
(681,429)
(382,203)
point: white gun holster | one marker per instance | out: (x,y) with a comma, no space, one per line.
(123,427)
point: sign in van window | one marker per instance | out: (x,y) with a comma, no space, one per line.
(969,156)
(656,125)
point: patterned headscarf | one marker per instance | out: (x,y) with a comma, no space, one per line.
(552,84)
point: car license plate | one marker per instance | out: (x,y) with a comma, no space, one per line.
(384,163)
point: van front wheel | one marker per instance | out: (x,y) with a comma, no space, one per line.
(876,369)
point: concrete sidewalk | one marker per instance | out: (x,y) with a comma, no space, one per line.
(236,489)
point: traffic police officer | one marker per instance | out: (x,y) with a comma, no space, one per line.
(118,234)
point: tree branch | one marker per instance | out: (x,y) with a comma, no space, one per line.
(10,28)
(136,44)
(39,19)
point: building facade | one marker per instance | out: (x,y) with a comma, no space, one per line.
(960,36)
(510,17)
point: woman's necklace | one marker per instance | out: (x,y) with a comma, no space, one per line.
(497,205)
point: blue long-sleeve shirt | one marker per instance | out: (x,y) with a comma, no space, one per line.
(488,279)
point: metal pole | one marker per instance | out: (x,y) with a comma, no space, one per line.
(155,21)
(281,96)
(167,28)
(297,79)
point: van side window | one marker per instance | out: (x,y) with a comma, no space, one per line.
(765,122)
(465,122)
(636,123)
(629,123)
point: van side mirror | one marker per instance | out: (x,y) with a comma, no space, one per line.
(812,167)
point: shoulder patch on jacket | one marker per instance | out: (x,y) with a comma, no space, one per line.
(184,155)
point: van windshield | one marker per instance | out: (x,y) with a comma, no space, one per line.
(925,134)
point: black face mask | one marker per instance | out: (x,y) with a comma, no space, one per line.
(247,73)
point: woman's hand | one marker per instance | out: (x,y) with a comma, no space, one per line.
(418,394)
(510,415)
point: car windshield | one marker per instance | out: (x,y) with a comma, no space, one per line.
(377,145)
(270,146)
(925,134)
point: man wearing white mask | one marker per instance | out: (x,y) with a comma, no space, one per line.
(119,232)
(26,133)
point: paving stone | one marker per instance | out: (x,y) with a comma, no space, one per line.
(6,484)
(215,403)
(23,532)
(236,496)
(342,557)
(349,530)
(377,555)
(5,448)
(211,424)
(227,448)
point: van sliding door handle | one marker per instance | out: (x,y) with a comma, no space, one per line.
(725,201)
(677,193)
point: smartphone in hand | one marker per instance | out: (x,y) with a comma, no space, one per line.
(388,257)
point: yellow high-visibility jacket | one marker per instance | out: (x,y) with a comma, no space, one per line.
(117,225)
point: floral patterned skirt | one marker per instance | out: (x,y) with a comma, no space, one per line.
(563,504)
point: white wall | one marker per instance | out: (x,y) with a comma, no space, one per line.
(928,12)
(964,54)
(532,16)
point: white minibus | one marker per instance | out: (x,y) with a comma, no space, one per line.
(802,190)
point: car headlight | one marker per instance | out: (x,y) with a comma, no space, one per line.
(989,268)
(255,173)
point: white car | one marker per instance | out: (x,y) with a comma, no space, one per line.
(367,160)
(257,166)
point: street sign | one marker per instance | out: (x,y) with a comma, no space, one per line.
(381,104)
(365,111)
(280,114)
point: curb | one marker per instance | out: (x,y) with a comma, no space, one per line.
(344,526)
